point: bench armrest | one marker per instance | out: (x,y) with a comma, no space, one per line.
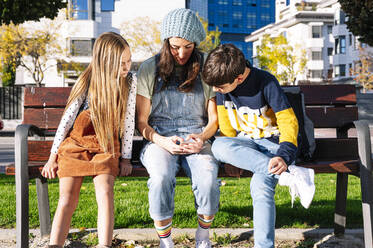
(364,144)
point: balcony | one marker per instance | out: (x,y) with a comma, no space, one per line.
(316,42)
(315,64)
(339,30)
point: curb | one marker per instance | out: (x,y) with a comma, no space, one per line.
(138,234)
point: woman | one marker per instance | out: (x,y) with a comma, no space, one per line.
(177,116)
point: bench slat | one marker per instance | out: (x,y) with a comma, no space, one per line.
(332,117)
(336,149)
(46,96)
(329,94)
(47,118)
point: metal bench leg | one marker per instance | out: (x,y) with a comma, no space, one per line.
(22,188)
(43,206)
(340,204)
(366,179)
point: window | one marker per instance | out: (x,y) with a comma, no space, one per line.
(107,5)
(330,51)
(211,25)
(330,29)
(350,69)
(340,18)
(222,13)
(252,3)
(79,9)
(81,47)
(223,2)
(316,73)
(316,55)
(265,4)
(340,70)
(316,32)
(237,2)
(265,18)
(237,15)
(340,45)
(350,39)
(251,20)
(287,2)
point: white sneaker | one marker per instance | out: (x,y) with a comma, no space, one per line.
(301,183)
(203,244)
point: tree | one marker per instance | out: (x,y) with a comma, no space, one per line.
(143,35)
(19,11)
(31,48)
(363,70)
(281,59)
(212,37)
(360,18)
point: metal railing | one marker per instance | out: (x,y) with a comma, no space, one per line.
(11,102)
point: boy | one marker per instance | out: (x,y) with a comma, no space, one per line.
(260,133)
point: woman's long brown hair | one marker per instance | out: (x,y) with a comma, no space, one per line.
(106,90)
(190,72)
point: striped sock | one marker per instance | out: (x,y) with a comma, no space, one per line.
(202,232)
(164,233)
(203,223)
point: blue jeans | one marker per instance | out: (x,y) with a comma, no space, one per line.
(162,166)
(254,155)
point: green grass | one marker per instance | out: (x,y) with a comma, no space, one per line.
(131,204)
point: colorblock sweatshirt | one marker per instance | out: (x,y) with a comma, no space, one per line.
(258,108)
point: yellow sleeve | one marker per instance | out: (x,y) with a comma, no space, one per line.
(225,126)
(288,126)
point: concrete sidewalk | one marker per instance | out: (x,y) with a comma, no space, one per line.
(352,237)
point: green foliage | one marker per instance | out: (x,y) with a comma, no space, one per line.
(360,18)
(224,239)
(31,48)
(19,11)
(8,74)
(281,59)
(212,37)
(363,70)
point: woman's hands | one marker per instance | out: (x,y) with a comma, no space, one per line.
(125,167)
(194,144)
(50,168)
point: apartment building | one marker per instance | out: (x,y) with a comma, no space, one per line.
(319,27)
(235,18)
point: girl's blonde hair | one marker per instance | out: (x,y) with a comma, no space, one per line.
(107,92)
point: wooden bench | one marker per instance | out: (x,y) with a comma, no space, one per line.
(328,106)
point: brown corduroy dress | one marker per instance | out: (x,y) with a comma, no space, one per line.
(81,155)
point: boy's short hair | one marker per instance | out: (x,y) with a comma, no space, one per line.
(223,65)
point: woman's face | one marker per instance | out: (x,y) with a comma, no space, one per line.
(126,62)
(181,49)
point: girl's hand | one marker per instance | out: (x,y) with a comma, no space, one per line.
(125,167)
(50,168)
(172,144)
(194,144)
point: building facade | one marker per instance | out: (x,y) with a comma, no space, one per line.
(235,18)
(86,20)
(319,28)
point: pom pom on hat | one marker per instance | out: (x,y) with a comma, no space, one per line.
(183,23)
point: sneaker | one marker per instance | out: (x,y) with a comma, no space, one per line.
(301,184)
(203,244)
(162,245)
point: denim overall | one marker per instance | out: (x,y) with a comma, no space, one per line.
(177,113)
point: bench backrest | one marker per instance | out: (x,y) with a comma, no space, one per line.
(328,106)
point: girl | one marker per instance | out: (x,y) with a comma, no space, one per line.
(177,115)
(99,113)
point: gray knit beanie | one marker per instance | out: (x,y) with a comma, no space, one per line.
(183,23)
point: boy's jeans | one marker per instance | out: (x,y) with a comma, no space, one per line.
(162,166)
(254,155)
